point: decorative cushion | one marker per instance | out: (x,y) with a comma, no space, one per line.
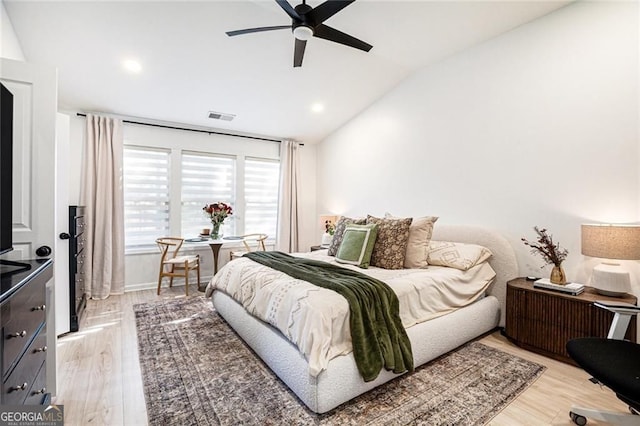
(337,235)
(420,233)
(457,255)
(391,243)
(357,245)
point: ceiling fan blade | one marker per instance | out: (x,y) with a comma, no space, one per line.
(284,4)
(331,34)
(298,53)
(326,10)
(256,30)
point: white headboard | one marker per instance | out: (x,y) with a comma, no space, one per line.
(503,260)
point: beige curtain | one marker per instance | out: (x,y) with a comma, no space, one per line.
(288,209)
(102,195)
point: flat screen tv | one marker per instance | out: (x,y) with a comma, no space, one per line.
(6,169)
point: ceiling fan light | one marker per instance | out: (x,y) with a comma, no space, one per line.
(303,32)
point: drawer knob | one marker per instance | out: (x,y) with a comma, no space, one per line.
(39,308)
(22,333)
(42,349)
(39,391)
(19,387)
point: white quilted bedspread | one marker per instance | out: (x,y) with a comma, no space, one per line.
(316,320)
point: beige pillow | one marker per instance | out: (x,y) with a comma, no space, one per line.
(391,242)
(457,255)
(420,233)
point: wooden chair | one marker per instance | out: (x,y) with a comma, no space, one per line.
(252,242)
(172,265)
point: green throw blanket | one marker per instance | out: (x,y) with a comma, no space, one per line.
(378,337)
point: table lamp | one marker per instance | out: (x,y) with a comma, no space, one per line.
(611,242)
(328,225)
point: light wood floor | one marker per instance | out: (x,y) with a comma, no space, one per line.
(99,380)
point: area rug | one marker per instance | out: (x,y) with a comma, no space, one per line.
(197,371)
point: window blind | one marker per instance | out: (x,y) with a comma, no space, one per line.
(146,195)
(206,179)
(261,186)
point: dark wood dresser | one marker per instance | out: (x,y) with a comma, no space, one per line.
(77,239)
(24,333)
(543,321)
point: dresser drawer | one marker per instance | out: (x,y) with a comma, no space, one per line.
(21,317)
(79,242)
(79,293)
(38,390)
(78,222)
(19,383)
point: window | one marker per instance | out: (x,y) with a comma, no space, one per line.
(146,195)
(261,183)
(206,179)
(169,179)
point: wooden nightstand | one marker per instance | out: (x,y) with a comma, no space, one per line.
(543,321)
(316,248)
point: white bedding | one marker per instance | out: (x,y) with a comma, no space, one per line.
(316,320)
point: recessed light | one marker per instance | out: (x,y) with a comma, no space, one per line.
(132,66)
(317,107)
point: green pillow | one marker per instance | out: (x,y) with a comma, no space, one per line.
(357,245)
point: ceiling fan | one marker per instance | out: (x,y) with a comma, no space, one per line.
(307,22)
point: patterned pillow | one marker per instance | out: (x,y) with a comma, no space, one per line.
(391,243)
(457,255)
(420,233)
(357,245)
(338,233)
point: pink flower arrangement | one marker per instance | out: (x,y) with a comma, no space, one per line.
(218,212)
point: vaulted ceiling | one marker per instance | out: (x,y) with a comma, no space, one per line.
(189,66)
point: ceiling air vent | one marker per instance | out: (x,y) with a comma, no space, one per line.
(221,116)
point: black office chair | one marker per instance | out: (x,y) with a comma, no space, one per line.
(612,362)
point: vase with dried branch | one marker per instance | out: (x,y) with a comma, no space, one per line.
(551,253)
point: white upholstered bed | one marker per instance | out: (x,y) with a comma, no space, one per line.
(340,381)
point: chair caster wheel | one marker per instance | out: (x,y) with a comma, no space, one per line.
(578,419)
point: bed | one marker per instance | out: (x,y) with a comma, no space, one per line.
(324,386)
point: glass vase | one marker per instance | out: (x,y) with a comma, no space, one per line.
(215,231)
(558,276)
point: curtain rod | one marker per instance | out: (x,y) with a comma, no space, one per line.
(211,132)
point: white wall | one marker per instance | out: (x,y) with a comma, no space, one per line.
(536,127)
(9,45)
(141,269)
